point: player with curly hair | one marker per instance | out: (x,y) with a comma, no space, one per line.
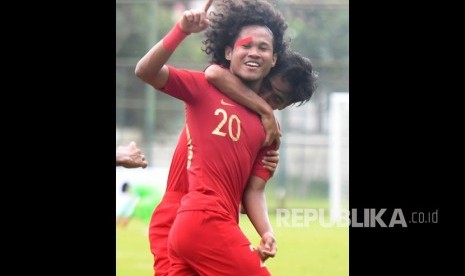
(217,182)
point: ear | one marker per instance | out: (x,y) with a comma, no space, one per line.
(275,58)
(228,53)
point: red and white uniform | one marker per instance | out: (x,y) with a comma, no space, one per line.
(164,214)
(226,147)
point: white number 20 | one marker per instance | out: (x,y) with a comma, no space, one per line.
(232,120)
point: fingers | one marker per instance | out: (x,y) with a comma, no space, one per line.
(271,160)
(263,256)
(207,5)
(192,16)
(139,161)
(268,246)
(266,254)
(133,147)
(269,166)
(273,154)
(144,164)
(195,21)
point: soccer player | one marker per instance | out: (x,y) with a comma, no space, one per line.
(292,80)
(226,140)
(177,186)
(292,72)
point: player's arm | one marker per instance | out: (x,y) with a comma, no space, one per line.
(151,67)
(270,162)
(235,89)
(254,203)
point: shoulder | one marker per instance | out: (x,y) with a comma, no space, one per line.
(183,71)
(185,77)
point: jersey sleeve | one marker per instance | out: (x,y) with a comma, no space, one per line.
(184,84)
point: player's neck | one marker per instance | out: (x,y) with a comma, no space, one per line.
(254,85)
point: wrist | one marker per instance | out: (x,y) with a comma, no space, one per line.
(174,37)
(266,111)
(268,233)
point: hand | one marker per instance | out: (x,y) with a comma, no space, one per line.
(130,156)
(273,133)
(267,247)
(195,21)
(271,160)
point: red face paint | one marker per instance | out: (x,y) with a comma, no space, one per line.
(243,41)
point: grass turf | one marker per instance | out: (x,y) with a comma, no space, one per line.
(303,250)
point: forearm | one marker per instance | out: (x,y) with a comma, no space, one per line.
(235,89)
(151,67)
(254,201)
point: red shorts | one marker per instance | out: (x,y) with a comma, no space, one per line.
(160,224)
(211,243)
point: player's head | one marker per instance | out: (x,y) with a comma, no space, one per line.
(252,57)
(292,81)
(230,17)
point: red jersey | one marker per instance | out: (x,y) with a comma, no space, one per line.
(177,176)
(164,214)
(226,140)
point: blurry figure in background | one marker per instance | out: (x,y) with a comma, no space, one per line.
(126,203)
(130,157)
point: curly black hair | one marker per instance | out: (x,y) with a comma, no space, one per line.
(298,71)
(228,19)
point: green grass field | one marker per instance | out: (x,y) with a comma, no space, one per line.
(311,250)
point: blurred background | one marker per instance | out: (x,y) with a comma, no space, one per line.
(314,154)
